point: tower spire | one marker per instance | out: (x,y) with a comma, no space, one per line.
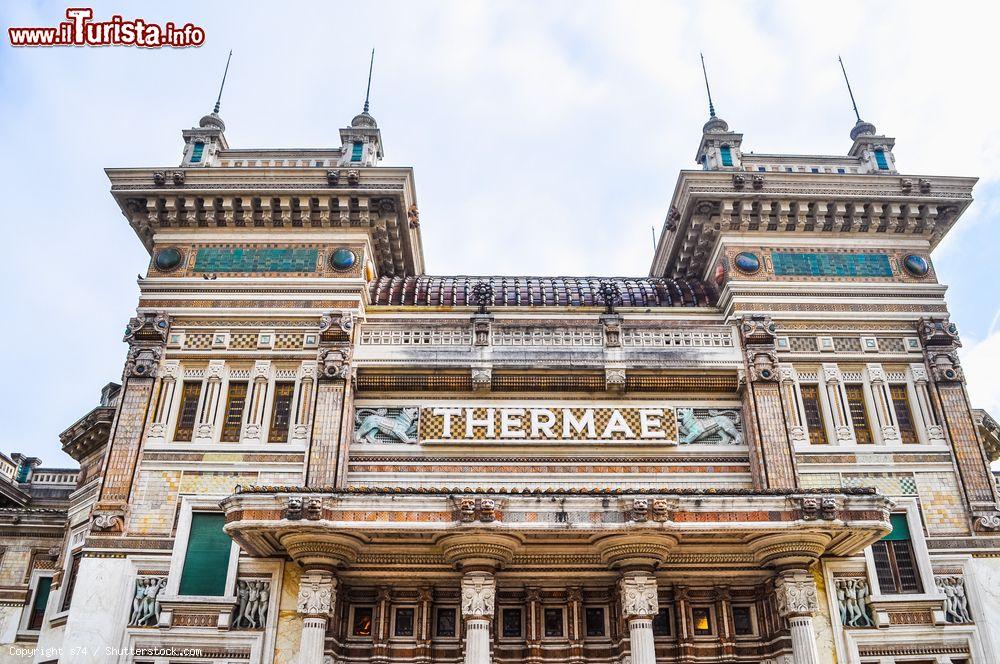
(849,91)
(368,92)
(218,100)
(711,108)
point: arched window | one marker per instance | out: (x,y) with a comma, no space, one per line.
(196,152)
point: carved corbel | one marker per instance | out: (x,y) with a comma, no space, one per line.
(482,379)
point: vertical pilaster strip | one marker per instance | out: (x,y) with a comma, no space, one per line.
(761,370)
(146,336)
(941,342)
(329,441)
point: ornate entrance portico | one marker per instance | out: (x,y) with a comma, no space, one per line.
(638,544)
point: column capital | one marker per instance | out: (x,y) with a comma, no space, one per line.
(795,592)
(479,591)
(638,596)
(316,593)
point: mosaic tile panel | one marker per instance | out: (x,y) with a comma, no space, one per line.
(831,265)
(803,344)
(891,345)
(887,483)
(287,341)
(243,340)
(198,341)
(246,259)
(847,344)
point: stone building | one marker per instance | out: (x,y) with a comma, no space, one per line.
(762,451)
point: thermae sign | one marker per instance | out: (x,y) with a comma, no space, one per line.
(529,423)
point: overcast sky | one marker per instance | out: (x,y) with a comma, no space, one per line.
(546,139)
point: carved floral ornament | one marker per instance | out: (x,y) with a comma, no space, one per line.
(639,596)
(795,593)
(315,593)
(478,595)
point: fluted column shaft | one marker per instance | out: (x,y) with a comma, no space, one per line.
(478,601)
(315,603)
(639,604)
(795,592)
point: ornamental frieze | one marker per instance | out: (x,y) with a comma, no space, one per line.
(533,422)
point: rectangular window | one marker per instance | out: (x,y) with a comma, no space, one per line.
(74,569)
(362,621)
(512,626)
(196,152)
(743,621)
(188,415)
(859,414)
(235,403)
(595,620)
(904,416)
(356,151)
(814,170)
(880,160)
(404,622)
(727,155)
(445,625)
(814,415)
(39,602)
(841,171)
(662,623)
(895,563)
(281,412)
(701,620)
(206,560)
(553,619)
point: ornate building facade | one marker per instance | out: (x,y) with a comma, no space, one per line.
(763,451)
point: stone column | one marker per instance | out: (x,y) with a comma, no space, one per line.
(315,605)
(478,599)
(795,592)
(639,606)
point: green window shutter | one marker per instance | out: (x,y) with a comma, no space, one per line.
(727,155)
(880,160)
(356,151)
(42,591)
(196,153)
(207,557)
(900,528)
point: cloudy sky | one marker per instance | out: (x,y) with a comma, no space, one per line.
(546,138)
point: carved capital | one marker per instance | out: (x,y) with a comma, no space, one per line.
(336,326)
(142,361)
(147,328)
(937,331)
(316,593)
(321,551)
(479,591)
(795,593)
(638,596)
(482,379)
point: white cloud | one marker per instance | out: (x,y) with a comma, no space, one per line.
(981,364)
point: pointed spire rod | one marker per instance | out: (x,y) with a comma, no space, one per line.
(368,92)
(218,100)
(711,108)
(849,91)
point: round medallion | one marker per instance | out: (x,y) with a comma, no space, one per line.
(168,259)
(746,261)
(342,259)
(916,265)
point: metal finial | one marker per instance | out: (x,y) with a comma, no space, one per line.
(711,108)
(849,91)
(218,100)
(369,90)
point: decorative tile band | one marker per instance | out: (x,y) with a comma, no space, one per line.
(240,259)
(831,265)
